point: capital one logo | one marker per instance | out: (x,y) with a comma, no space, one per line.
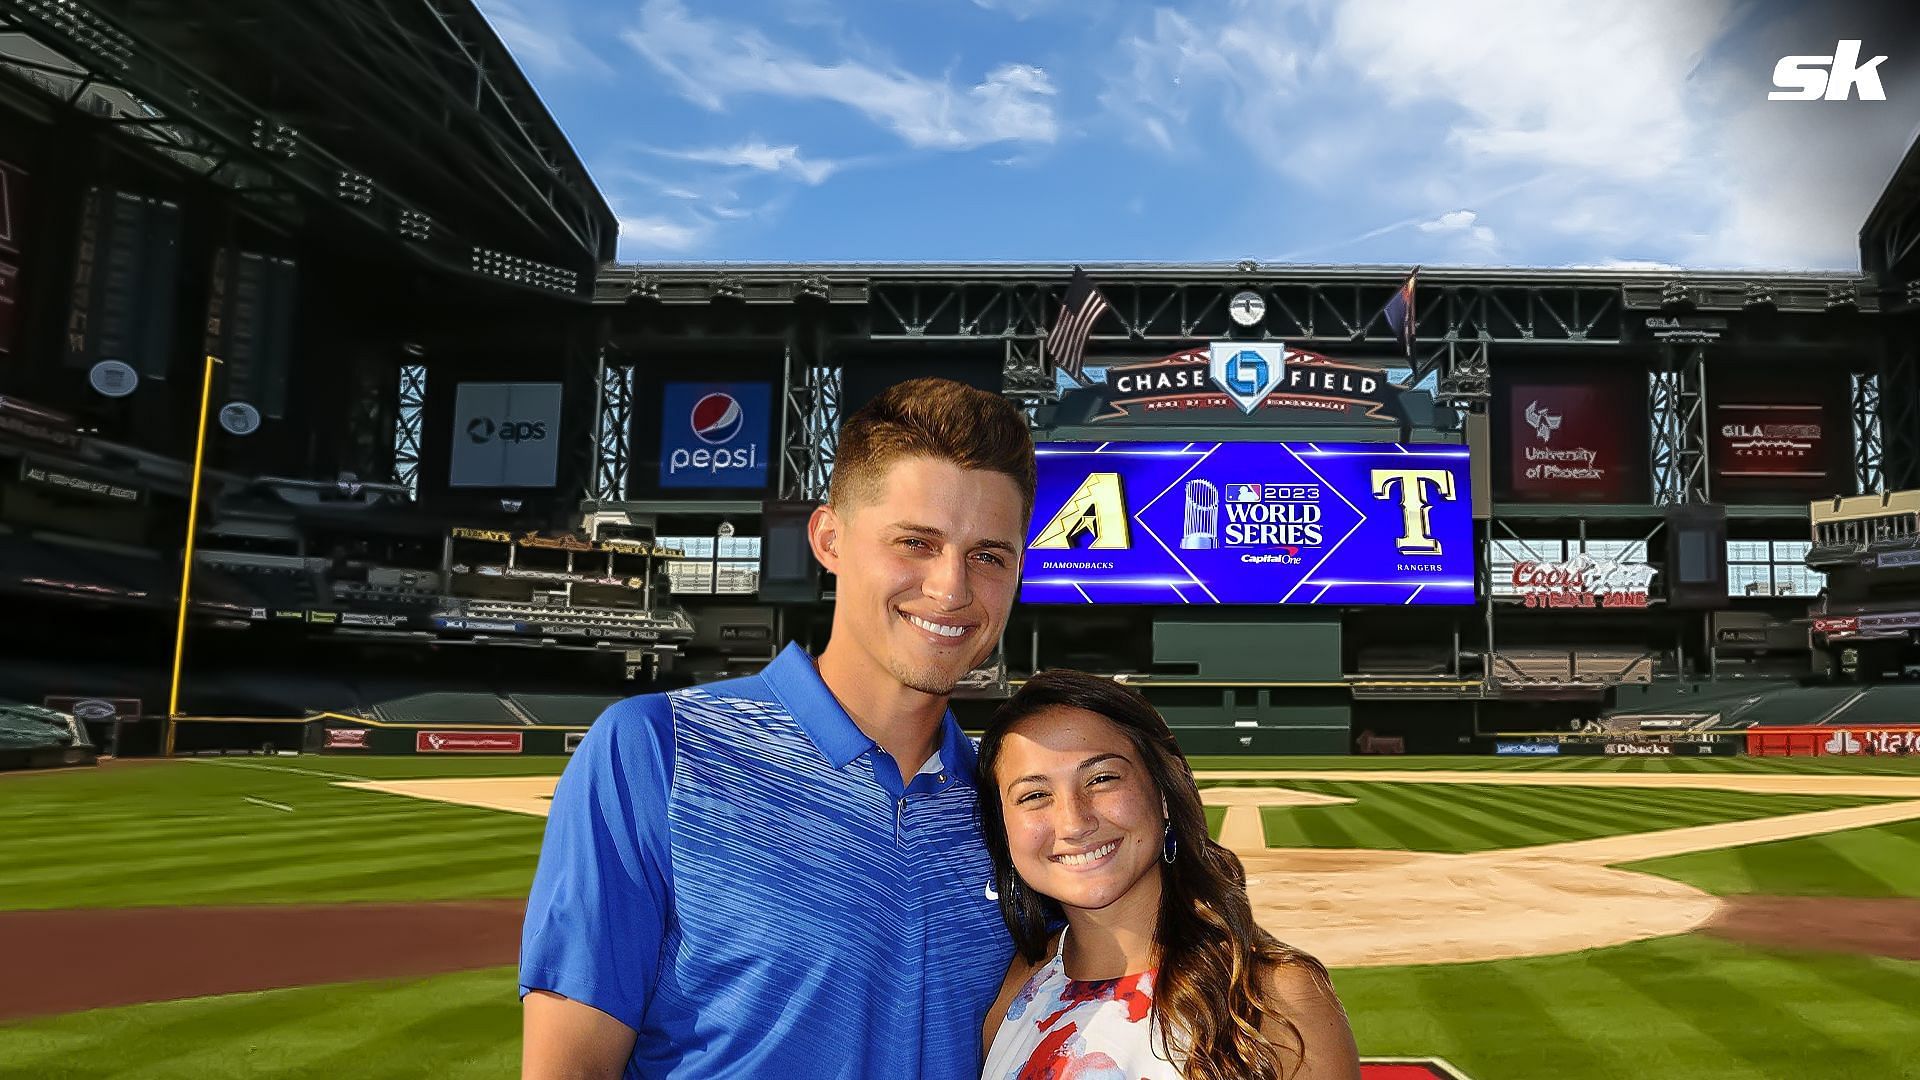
(1096,513)
(1811,78)
(1246,373)
(1416,489)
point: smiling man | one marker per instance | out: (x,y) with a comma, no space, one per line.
(781,875)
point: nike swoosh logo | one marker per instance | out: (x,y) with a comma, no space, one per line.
(989,893)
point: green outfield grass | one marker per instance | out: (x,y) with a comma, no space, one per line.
(1459,818)
(184,832)
(1685,1007)
(458,1027)
(1877,862)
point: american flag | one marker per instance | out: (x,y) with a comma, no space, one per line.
(1399,312)
(1081,307)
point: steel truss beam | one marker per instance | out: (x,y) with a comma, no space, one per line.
(1900,410)
(370,419)
(408,421)
(615,433)
(1181,312)
(131,83)
(810,423)
(1677,418)
(1869,475)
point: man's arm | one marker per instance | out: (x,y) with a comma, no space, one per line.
(566,1040)
(597,916)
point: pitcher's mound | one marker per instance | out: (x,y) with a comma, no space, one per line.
(1354,908)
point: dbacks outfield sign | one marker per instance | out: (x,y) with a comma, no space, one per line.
(714,435)
(1250,523)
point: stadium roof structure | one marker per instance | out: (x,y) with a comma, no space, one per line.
(408,118)
(1890,238)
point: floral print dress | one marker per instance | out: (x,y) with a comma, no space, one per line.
(1064,1029)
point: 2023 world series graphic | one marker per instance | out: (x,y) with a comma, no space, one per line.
(1250,523)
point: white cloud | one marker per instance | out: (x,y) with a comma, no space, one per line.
(652,234)
(710,61)
(542,43)
(1461,225)
(1562,83)
(1020,9)
(761,157)
(1451,221)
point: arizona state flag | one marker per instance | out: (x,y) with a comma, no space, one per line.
(1400,315)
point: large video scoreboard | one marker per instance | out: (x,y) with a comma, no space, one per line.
(1250,523)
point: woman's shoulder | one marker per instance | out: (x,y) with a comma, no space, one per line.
(1020,971)
(1306,1019)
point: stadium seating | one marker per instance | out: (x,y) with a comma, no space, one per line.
(447,707)
(563,710)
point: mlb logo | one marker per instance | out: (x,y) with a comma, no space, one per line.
(1243,493)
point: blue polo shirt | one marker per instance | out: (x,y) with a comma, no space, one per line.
(737,873)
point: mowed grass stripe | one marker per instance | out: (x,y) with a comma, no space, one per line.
(1480,818)
(1603,1014)
(287,832)
(194,840)
(240,857)
(463,1025)
(1880,861)
(1460,818)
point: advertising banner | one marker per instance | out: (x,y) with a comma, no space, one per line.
(1510,748)
(1569,443)
(505,435)
(1832,742)
(1227,381)
(346,739)
(1250,523)
(1774,442)
(715,435)
(1583,582)
(467,742)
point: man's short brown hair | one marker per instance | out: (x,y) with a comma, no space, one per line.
(932,418)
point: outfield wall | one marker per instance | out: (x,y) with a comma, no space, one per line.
(1877,741)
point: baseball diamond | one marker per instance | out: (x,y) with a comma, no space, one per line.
(1489,913)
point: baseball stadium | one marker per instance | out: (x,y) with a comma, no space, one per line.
(1546,642)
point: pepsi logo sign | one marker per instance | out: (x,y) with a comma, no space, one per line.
(717,418)
(714,435)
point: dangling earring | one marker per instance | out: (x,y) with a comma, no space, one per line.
(1170,850)
(1013,889)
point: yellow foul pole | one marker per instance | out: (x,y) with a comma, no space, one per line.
(186,563)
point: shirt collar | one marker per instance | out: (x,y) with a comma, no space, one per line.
(795,680)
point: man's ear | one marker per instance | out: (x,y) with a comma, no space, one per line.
(823,534)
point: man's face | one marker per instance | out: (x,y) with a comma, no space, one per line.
(926,569)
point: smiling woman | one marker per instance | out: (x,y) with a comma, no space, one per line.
(1091,815)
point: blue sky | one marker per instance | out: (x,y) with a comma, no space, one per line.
(1440,132)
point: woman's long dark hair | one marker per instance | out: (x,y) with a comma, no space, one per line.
(1209,993)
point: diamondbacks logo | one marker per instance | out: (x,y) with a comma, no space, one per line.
(1096,511)
(1246,373)
(717,418)
(1416,509)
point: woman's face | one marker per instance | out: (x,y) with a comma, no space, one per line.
(1085,824)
